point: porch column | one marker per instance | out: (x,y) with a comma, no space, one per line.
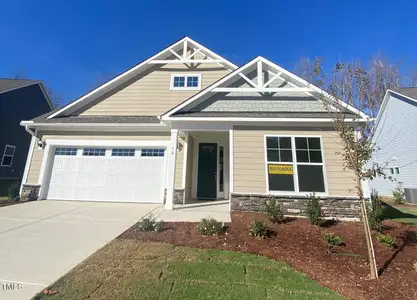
(172,157)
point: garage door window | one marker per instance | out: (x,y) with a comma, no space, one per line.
(152,152)
(94,152)
(66,151)
(123,152)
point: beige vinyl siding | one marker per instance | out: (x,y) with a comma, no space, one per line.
(179,163)
(249,160)
(36,161)
(150,93)
(35,165)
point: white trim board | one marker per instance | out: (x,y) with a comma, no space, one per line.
(27,165)
(186,41)
(106,143)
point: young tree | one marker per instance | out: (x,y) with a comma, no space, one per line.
(361,89)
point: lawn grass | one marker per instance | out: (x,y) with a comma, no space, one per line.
(129,269)
(400,213)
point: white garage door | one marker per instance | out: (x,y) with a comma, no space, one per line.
(108,174)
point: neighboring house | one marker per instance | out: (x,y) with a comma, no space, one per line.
(187,124)
(19,99)
(396,137)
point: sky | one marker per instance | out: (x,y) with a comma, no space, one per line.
(73,45)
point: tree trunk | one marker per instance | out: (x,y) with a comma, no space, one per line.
(368,236)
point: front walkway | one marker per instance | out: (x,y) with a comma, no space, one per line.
(194,212)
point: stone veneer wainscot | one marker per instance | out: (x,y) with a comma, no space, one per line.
(333,207)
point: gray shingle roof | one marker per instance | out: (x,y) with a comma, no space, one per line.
(10,84)
(410,92)
(97,119)
(260,114)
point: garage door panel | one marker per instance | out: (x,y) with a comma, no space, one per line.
(107,178)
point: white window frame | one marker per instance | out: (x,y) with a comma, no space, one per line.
(8,155)
(185,88)
(294,164)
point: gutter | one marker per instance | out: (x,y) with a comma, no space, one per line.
(274,120)
(30,125)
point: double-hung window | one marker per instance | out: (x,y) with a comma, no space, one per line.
(295,164)
(8,155)
(186,82)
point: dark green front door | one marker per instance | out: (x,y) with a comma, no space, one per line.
(207,169)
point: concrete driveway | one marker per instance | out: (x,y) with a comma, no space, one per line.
(41,241)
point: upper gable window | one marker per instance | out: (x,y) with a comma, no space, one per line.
(186,82)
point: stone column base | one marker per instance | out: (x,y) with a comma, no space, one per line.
(332,207)
(178,196)
(30,192)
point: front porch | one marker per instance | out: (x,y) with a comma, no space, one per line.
(202,168)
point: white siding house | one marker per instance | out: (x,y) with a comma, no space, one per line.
(396,138)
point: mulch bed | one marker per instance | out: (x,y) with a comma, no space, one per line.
(344,269)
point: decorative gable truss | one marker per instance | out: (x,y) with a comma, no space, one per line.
(191,54)
(262,80)
(185,52)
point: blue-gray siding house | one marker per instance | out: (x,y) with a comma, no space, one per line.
(396,137)
(20,99)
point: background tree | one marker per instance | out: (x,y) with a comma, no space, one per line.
(361,88)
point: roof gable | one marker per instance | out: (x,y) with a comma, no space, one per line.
(397,95)
(261,77)
(185,51)
(9,85)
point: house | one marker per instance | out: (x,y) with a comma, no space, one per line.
(19,99)
(188,125)
(395,137)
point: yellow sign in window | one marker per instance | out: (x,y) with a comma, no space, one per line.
(280,169)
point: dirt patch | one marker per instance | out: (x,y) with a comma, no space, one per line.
(8,202)
(344,269)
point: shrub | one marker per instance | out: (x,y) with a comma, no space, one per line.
(386,240)
(375,212)
(273,210)
(398,195)
(415,266)
(332,239)
(13,191)
(149,224)
(210,226)
(314,213)
(258,229)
